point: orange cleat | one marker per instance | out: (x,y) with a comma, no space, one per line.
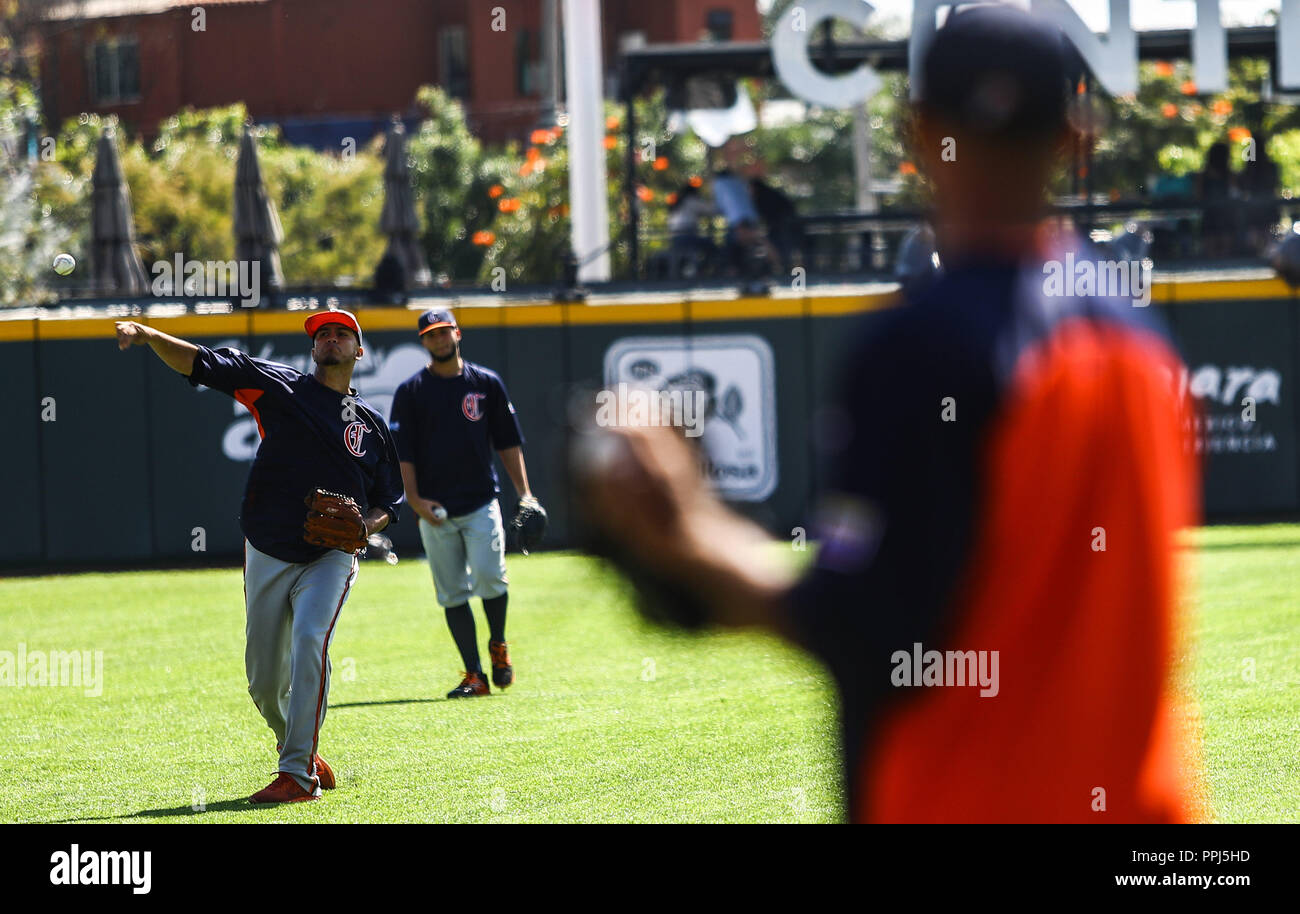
(503,674)
(284,789)
(473,684)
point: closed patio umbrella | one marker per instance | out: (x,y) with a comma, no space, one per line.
(398,220)
(115,265)
(257,225)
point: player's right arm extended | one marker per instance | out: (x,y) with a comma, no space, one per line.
(176,353)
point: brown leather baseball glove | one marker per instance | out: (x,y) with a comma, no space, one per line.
(335,521)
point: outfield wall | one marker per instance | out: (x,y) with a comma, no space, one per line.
(114,458)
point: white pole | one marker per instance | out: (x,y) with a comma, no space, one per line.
(584,76)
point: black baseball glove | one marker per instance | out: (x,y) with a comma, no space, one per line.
(528,526)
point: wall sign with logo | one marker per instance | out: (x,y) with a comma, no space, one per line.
(737,377)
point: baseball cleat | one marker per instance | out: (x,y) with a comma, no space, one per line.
(324,773)
(502,672)
(284,789)
(473,684)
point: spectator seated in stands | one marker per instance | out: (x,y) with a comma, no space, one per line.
(690,253)
(1259,180)
(784,229)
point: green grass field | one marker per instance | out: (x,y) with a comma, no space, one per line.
(609,720)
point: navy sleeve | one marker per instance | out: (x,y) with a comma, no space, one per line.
(896,524)
(387,491)
(504,423)
(399,424)
(228,370)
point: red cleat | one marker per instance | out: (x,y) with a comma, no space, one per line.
(284,789)
(324,773)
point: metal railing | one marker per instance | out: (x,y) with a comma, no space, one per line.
(1173,232)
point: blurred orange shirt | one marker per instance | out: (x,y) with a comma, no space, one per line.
(1073,581)
(1007,473)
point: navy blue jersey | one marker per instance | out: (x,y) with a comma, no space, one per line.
(309,441)
(1027,423)
(448,428)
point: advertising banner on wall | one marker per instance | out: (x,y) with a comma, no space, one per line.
(732,377)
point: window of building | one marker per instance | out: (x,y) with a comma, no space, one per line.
(453,61)
(718,25)
(528,64)
(115,71)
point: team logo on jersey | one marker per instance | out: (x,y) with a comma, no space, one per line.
(352,437)
(470,407)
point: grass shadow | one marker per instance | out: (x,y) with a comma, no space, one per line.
(187,810)
(390,701)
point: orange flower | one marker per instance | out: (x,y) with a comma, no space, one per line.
(540,137)
(1222,107)
(1164,68)
(671,199)
(495,191)
(1188,88)
(509,204)
(1169,110)
(661,163)
(907,168)
(533,154)
(525,169)
(611,122)
(696,181)
(611,141)
(484,239)
(645,194)
(1238,135)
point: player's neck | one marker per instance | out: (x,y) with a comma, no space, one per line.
(337,378)
(972,239)
(447,369)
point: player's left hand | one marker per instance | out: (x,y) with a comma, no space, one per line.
(694,561)
(335,521)
(645,491)
(529,524)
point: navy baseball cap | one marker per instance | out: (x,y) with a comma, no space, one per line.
(997,70)
(432,320)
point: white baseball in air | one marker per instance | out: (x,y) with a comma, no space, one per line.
(440,513)
(64,264)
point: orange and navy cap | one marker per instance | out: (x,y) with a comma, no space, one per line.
(432,320)
(321,318)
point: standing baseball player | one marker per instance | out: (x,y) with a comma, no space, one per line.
(447,420)
(325,477)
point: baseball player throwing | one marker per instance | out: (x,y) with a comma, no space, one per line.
(447,419)
(301,539)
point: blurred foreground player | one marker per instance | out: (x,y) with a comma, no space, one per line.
(1010,477)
